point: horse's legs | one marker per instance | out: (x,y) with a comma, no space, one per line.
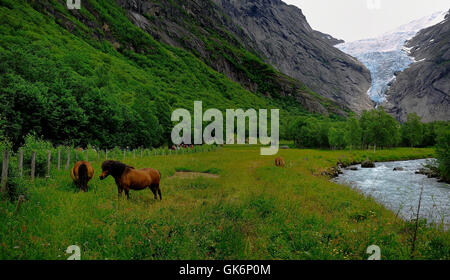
(153,191)
(127,193)
(159,192)
(119,194)
(156,190)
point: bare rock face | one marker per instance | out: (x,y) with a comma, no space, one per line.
(204,29)
(424,87)
(282,35)
(328,38)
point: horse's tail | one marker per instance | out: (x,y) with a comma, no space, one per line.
(83,176)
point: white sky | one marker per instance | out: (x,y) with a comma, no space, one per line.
(353,20)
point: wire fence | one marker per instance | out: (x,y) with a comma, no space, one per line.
(39,163)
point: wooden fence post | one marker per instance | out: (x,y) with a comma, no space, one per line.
(124,151)
(106,154)
(87,154)
(19,202)
(68,159)
(5,170)
(141,153)
(49,162)
(134,153)
(98,155)
(33,165)
(21,163)
(59,159)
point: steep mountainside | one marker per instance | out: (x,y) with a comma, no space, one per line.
(385,55)
(92,76)
(328,38)
(203,29)
(424,88)
(281,34)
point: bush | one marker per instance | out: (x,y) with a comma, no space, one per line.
(443,153)
(15,185)
(115,154)
(4,145)
(41,147)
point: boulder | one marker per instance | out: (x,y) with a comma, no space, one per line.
(428,172)
(368,164)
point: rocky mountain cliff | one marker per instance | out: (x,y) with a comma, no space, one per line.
(203,28)
(424,87)
(328,38)
(281,34)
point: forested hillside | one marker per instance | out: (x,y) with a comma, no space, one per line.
(92,76)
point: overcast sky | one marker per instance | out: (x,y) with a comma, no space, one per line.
(358,19)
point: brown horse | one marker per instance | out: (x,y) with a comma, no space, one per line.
(81,174)
(279,162)
(128,178)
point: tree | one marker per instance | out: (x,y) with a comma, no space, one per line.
(309,132)
(392,126)
(353,133)
(412,130)
(163,113)
(379,128)
(336,137)
(295,130)
(443,153)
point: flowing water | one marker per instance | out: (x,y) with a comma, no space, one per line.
(400,190)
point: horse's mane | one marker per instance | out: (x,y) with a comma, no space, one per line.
(116,168)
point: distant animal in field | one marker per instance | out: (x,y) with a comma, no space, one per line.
(279,162)
(128,178)
(81,173)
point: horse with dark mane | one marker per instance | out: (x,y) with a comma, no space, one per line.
(128,178)
(279,162)
(81,173)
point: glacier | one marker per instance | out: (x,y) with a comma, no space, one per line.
(387,55)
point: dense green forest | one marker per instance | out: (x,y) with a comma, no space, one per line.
(375,128)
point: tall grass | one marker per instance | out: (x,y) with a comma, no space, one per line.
(252,211)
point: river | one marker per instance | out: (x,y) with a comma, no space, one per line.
(399,191)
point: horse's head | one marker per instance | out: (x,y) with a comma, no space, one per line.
(113,168)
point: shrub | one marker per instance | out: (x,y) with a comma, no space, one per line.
(15,185)
(443,153)
(41,147)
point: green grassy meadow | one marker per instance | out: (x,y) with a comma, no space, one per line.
(252,211)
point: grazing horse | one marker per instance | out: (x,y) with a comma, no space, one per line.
(81,174)
(279,162)
(128,178)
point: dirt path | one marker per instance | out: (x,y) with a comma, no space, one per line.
(192,175)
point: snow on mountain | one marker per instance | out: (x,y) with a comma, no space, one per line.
(386,55)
